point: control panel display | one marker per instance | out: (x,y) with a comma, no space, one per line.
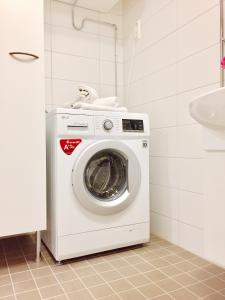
(133,125)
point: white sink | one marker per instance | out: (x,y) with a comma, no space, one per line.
(209,109)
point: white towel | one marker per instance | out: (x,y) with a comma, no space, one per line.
(89,106)
(108,101)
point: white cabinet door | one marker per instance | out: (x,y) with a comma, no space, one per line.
(22,118)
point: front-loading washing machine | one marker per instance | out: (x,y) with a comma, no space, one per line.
(97,181)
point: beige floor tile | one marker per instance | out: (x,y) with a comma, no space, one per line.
(51,291)
(155,275)
(101,291)
(73,285)
(132,295)
(185,266)
(66,276)
(61,297)
(162,252)
(33,295)
(128,271)
(46,281)
(215,296)
(9,298)
(103,267)
(111,275)
(80,295)
(215,283)
(144,267)
(169,285)
(42,272)
(171,271)
(183,294)
(138,280)
(151,290)
(121,285)
(200,274)
(111,297)
(200,289)
(119,263)
(221,276)
(22,276)
(173,259)
(59,269)
(4,280)
(186,255)
(160,263)
(214,269)
(3,268)
(184,279)
(134,259)
(198,261)
(163,297)
(6,290)
(92,280)
(85,271)
(24,286)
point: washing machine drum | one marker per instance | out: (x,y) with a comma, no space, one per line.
(106,175)
(106,179)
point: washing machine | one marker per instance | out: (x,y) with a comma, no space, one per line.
(97,181)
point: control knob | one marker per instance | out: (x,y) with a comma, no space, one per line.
(108,124)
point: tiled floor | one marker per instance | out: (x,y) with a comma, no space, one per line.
(158,270)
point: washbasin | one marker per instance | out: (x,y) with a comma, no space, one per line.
(209,109)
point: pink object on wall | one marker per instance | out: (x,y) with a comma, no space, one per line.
(222,63)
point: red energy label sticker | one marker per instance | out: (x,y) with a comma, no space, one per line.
(68,145)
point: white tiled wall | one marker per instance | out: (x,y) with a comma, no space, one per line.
(80,57)
(176,59)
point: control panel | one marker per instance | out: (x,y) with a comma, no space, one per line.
(133,125)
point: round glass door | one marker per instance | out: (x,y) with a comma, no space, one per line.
(105,175)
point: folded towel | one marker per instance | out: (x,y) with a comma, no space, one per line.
(108,101)
(89,106)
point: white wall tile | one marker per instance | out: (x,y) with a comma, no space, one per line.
(188,10)
(190,141)
(75,68)
(164,201)
(164,227)
(164,171)
(191,175)
(164,142)
(107,73)
(191,238)
(190,208)
(199,34)
(163,113)
(198,70)
(70,41)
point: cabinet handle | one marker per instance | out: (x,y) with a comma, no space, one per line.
(34,56)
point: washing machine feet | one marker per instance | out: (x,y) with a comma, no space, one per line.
(58,263)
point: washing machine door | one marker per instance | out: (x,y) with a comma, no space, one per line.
(106,177)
